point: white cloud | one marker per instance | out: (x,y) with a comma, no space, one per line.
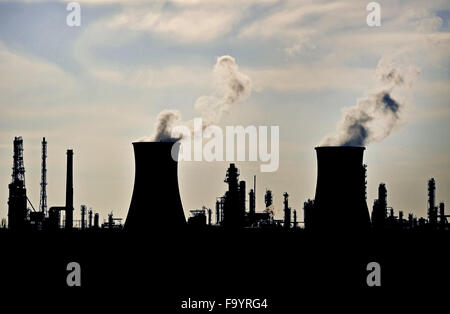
(285,22)
(338,33)
(191,25)
(31,78)
(302,45)
(306,78)
(167,77)
(187,21)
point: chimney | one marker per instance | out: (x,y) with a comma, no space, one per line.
(287,211)
(340,201)
(432,209)
(156,202)
(83,217)
(217,212)
(69,191)
(254,189)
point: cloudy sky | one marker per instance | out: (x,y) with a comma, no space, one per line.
(97,87)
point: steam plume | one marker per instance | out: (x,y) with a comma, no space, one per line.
(164,123)
(230,87)
(374,117)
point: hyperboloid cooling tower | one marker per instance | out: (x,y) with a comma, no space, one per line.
(340,201)
(156,203)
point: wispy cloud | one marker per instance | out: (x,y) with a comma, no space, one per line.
(185,21)
(34,79)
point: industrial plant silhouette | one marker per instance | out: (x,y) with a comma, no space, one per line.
(230,250)
(339,205)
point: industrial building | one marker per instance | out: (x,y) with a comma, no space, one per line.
(339,204)
(24,218)
(231,208)
(384,218)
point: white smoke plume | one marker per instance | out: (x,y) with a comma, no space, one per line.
(165,121)
(230,87)
(375,116)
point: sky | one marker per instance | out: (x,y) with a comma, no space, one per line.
(98,87)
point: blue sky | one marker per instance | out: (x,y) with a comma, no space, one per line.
(98,87)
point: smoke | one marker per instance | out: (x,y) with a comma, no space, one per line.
(394,75)
(230,88)
(375,116)
(163,127)
(372,119)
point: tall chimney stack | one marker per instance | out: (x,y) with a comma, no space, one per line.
(287,211)
(83,217)
(254,188)
(432,209)
(69,191)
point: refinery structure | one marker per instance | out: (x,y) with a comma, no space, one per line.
(339,203)
(23,216)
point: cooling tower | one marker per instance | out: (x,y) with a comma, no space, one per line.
(156,203)
(340,202)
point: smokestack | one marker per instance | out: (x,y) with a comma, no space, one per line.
(254,189)
(287,211)
(83,217)
(217,212)
(69,190)
(156,202)
(340,201)
(432,209)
